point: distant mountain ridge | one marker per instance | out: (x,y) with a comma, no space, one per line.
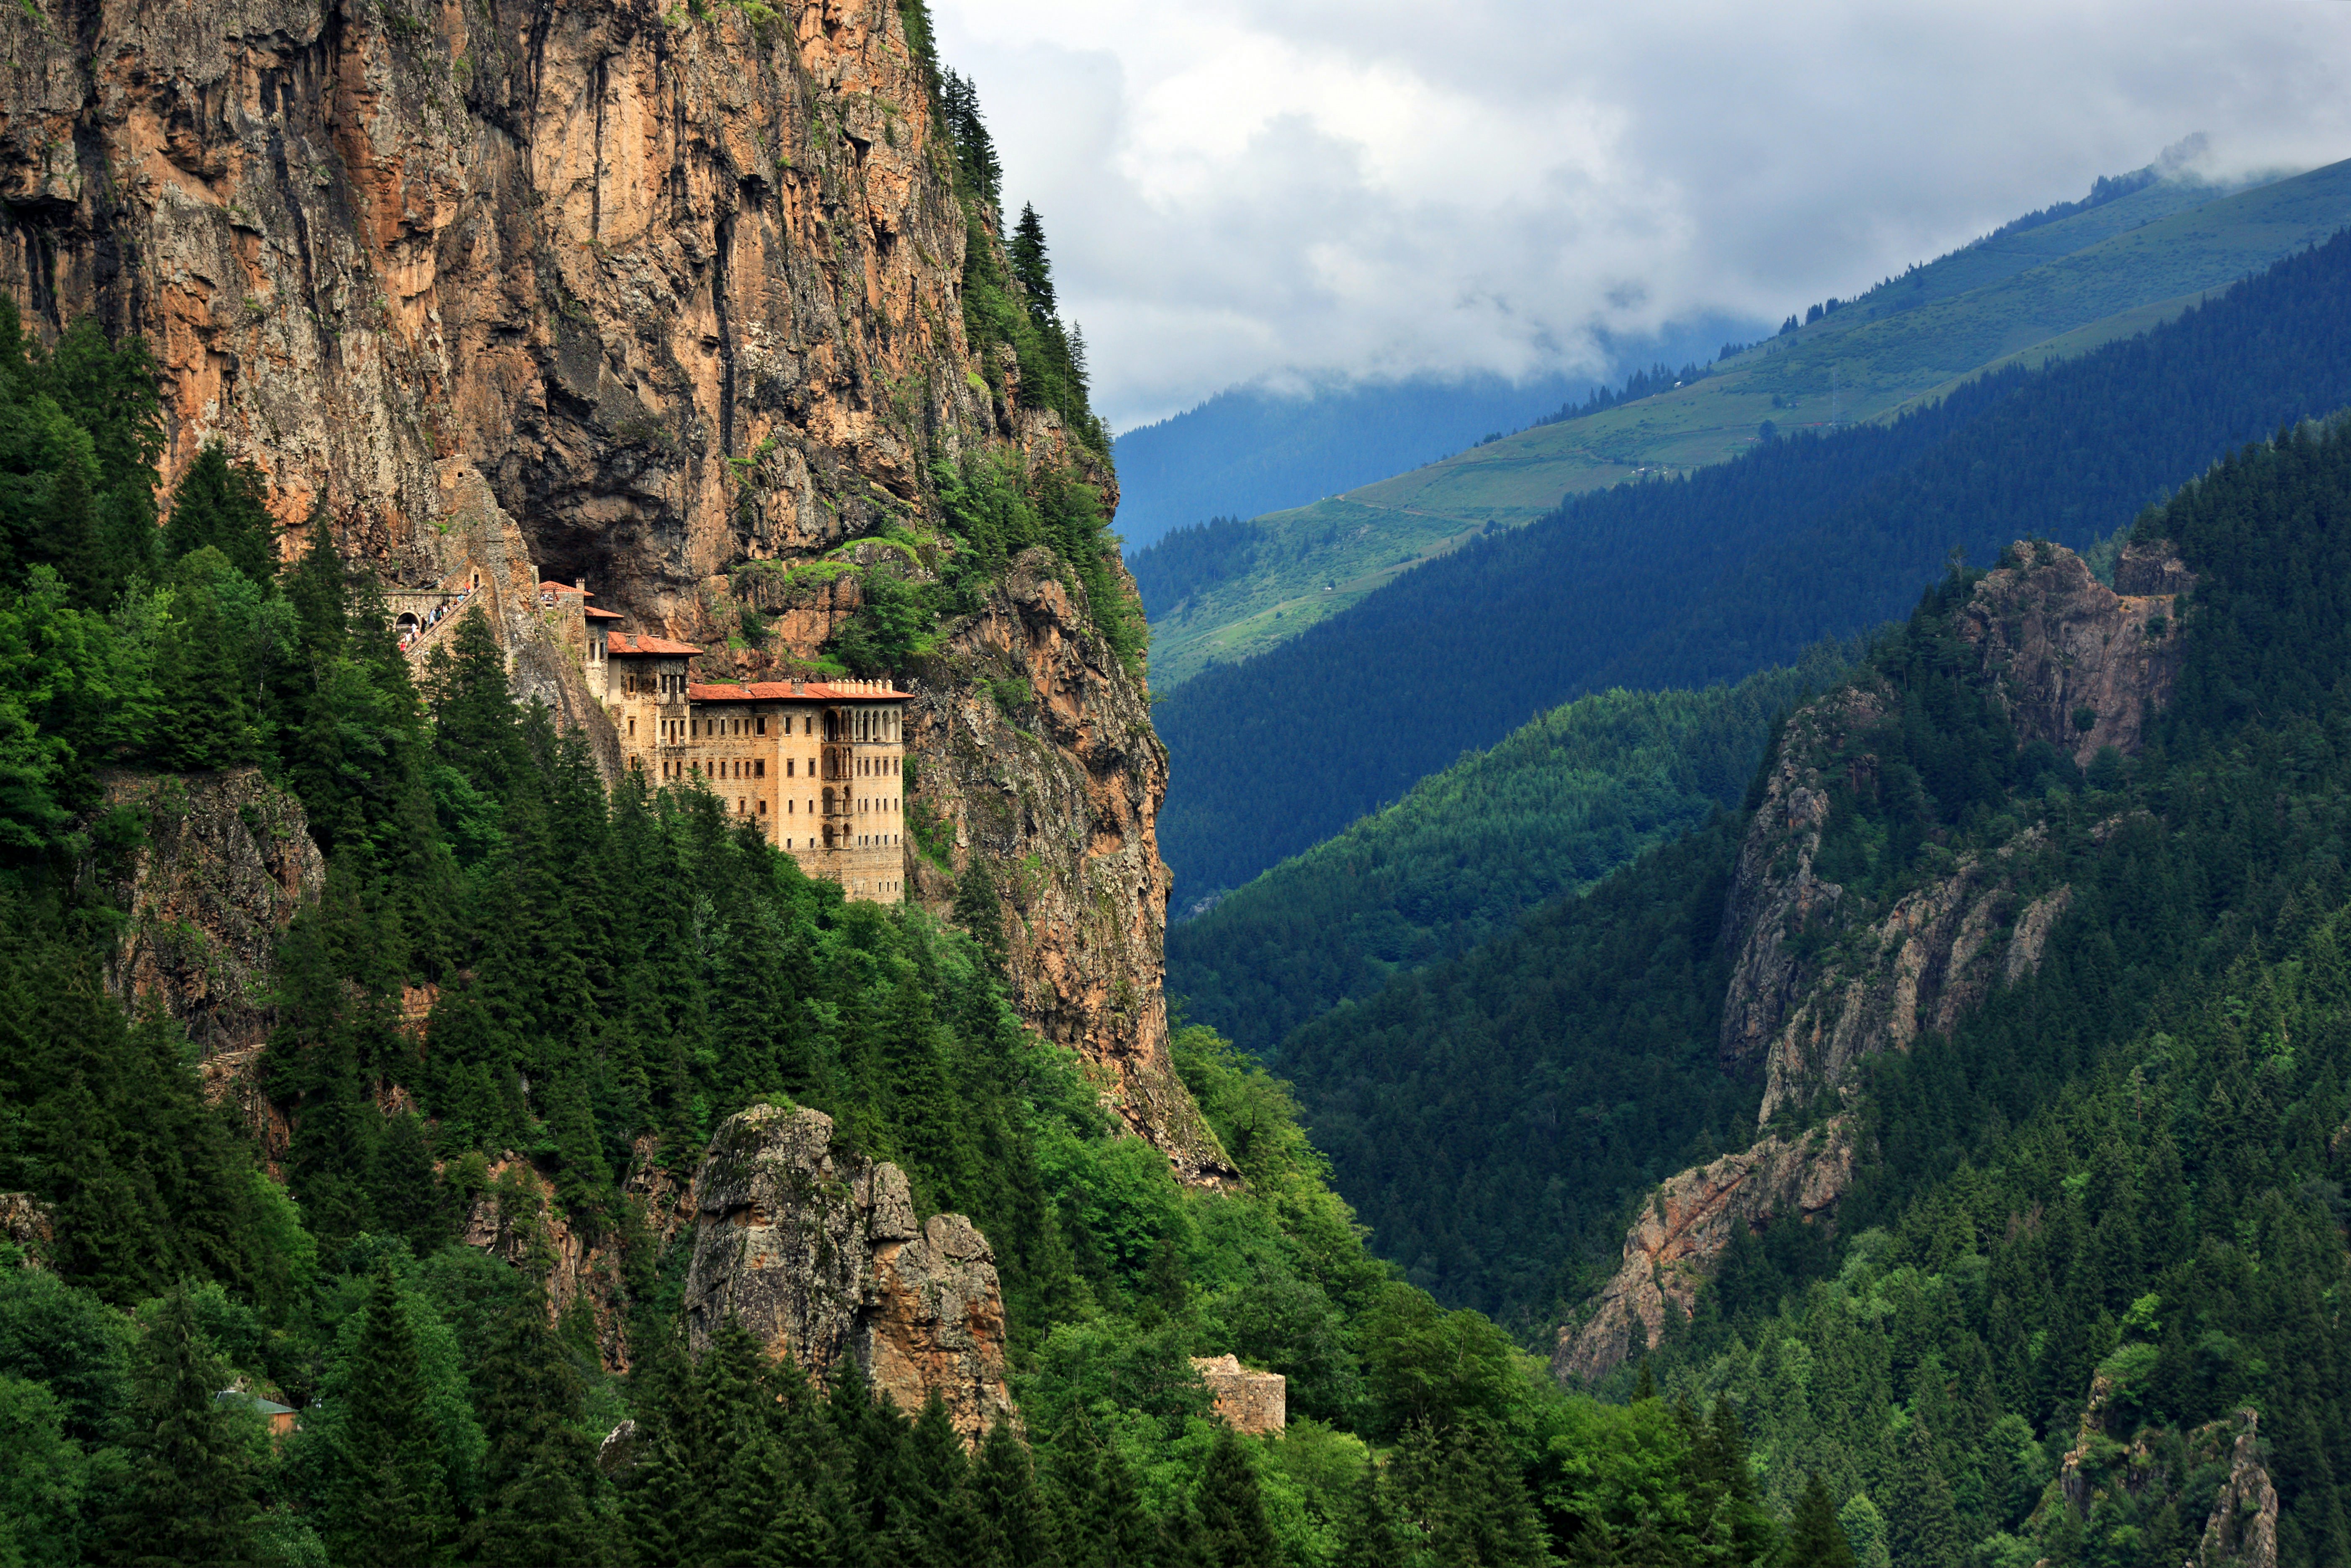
(1263,446)
(2055,290)
(1734,568)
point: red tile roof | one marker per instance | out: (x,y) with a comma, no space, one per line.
(563,587)
(810,691)
(595,614)
(621,643)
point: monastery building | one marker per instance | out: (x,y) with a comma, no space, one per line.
(814,765)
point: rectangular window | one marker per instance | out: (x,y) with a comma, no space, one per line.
(759,768)
(763,724)
(789,764)
(763,807)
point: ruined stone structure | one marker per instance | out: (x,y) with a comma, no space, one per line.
(1252,1403)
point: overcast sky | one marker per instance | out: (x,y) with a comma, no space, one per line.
(1234,189)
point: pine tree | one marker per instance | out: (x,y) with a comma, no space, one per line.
(71,538)
(980,909)
(1228,1524)
(1099,1512)
(190,1498)
(1369,1532)
(1925,1525)
(221,506)
(406,1192)
(1015,1530)
(1815,1539)
(1864,1528)
(925,1528)
(1032,267)
(1739,1529)
(390,1500)
(208,718)
(474,723)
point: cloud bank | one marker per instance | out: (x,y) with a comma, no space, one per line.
(1238,189)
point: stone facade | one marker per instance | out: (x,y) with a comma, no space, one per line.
(818,766)
(1253,1403)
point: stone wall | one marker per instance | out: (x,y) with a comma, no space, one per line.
(1254,1403)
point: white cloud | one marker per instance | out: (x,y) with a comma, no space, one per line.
(1240,188)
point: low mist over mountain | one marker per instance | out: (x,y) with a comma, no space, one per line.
(1260,448)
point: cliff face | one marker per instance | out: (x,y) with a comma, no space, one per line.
(1691,1220)
(1057,787)
(614,290)
(817,1252)
(1819,981)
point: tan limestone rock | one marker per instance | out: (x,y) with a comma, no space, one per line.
(227,858)
(1819,980)
(2242,1531)
(27,1223)
(665,298)
(817,1252)
(2063,644)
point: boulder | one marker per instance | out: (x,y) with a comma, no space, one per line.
(816,1250)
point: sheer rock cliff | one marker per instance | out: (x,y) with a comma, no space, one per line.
(661,298)
(1819,980)
(817,1251)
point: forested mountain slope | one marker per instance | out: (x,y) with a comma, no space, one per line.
(384,1103)
(379,1065)
(1709,577)
(1259,448)
(2029,958)
(1249,450)
(1564,801)
(2048,291)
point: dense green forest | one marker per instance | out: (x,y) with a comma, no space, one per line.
(612,973)
(1565,801)
(1712,576)
(2116,1185)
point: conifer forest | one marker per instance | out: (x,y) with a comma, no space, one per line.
(1795,1012)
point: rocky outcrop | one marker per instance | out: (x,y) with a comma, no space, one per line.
(28,1225)
(1774,893)
(817,1251)
(224,860)
(515,1218)
(2079,664)
(1933,957)
(1057,788)
(2242,1531)
(1252,1403)
(665,297)
(1821,978)
(1689,1221)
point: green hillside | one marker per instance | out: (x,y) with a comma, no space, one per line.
(1574,794)
(2053,291)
